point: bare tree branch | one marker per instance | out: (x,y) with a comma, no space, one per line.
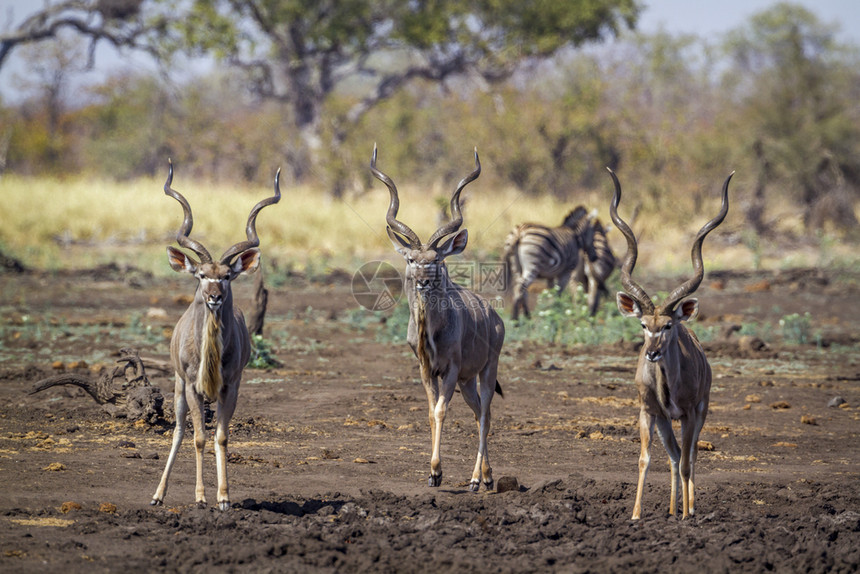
(115,21)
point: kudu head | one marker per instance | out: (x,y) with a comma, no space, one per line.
(215,276)
(425,262)
(659,322)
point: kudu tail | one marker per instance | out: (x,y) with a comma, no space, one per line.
(499,389)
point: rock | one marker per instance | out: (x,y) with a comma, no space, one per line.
(780,405)
(836,401)
(705,445)
(808,420)
(107,507)
(507,483)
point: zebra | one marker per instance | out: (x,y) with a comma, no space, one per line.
(534,251)
(592,275)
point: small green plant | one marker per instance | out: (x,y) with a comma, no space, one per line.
(262,355)
(796,328)
(396,323)
(563,318)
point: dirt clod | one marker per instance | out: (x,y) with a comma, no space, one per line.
(507,484)
(69,506)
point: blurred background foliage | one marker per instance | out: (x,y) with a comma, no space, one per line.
(311,86)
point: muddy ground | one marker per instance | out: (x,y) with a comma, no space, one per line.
(329,453)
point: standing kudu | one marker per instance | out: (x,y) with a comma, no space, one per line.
(673,376)
(455,334)
(210,345)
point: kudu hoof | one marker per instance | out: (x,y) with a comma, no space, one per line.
(155,502)
(490,484)
(475,485)
(224,505)
(434,480)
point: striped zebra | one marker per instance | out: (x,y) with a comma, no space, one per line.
(592,275)
(534,251)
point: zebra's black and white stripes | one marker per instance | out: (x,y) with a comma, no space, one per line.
(534,251)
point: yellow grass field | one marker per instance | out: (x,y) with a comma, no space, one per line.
(76,223)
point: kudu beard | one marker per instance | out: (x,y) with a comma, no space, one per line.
(209,373)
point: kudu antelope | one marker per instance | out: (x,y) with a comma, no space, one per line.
(534,251)
(673,376)
(455,334)
(210,345)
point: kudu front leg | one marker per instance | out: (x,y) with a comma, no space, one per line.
(224,413)
(180,408)
(646,431)
(432,389)
(439,410)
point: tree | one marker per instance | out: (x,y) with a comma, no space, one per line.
(302,51)
(119,22)
(797,90)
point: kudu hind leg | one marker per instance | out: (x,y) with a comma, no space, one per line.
(481,407)
(667,437)
(180,409)
(488,391)
(690,430)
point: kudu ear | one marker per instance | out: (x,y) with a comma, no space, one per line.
(180,262)
(454,245)
(628,306)
(401,244)
(688,309)
(247,262)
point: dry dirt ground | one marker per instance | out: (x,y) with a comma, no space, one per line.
(329,453)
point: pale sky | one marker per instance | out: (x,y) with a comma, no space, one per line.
(706,18)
